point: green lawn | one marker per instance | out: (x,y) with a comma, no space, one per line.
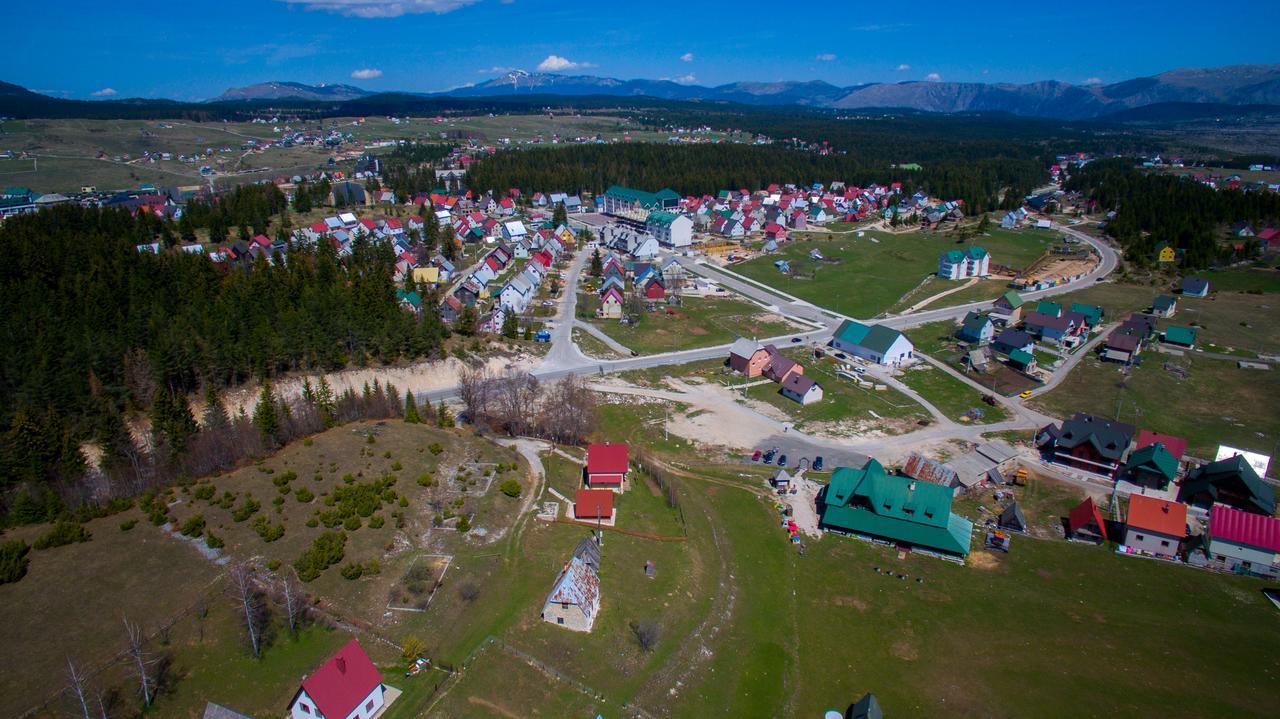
(876,270)
(1217,404)
(697,322)
(951,396)
(1244,280)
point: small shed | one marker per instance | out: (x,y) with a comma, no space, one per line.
(1013,519)
(1085,523)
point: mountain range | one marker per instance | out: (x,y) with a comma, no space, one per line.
(1231,85)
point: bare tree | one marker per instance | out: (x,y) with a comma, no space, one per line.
(241,583)
(468,591)
(141,661)
(294,602)
(78,684)
(646,632)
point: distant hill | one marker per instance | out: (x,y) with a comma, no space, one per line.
(292,91)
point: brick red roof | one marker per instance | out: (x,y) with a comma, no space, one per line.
(593,504)
(1084,514)
(1157,515)
(1177,446)
(1240,527)
(342,682)
(607,459)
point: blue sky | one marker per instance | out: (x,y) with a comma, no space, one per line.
(194,49)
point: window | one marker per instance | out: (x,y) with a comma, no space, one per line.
(1164,543)
(1139,537)
(369,706)
(305,709)
(559,620)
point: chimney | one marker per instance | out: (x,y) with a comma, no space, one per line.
(342,665)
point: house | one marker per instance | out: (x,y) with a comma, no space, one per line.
(1155,526)
(875,343)
(1151,466)
(898,510)
(780,367)
(347,685)
(963,264)
(1121,347)
(670,229)
(1055,328)
(979,359)
(1230,481)
(1175,446)
(653,289)
(799,388)
(1022,361)
(1244,542)
(607,466)
(977,328)
(1165,253)
(780,479)
(1087,443)
(611,301)
(1180,336)
(1164,306)
(1195,287)
(1012,518)
(1008,307)
(747,357)
(1092,314)
(594,505)
(1012,339)
(574,601)
(1085,523)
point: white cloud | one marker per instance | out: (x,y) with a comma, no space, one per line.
(382,8)
(904,67)
(687,57)
(686,79)
(105,92)
(555,63)
(1093,81)
(825,57)
(368,73)
(933,77)
(495,70)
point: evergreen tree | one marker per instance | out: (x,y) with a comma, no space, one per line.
(444,418)
(215,414)
(509,325)
(325,403)
(467,321)
(597,264)
(266,415)
(410,409)
(559,216)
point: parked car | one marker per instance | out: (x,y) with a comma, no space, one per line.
(768,457)
(796,339)
(782,461)
(817,463)
(840,356)
(755,456)
(1025,394)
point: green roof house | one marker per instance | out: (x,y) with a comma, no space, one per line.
(1023,360)
(1152,466)
(900,510)
(875,343)
(1181,336)
(1229,481)
(1092,313)
(1008,307)
(1051,309)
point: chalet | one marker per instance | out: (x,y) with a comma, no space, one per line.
(1049,309)
(780,367)
(346,686)
(1232,482)
(513,230)
(637,204)
(1180,336)
(898,510)
(1121,347)
(1176,446)
(799,388)
(1008,307)
(611,302)
(1092,314)
(1088,443)
(574,601)
(1022,361)
(1155,526)
(747,357)
(1050,327)
(1141,326)
(977,328)
(963,264)
(1244,542)
(875,343)
(1165,253)
(1085,523)
(1164,306)
(594,505)
(1195,287)
(653,289)
(1012,339)
(1151,466)
(607,466)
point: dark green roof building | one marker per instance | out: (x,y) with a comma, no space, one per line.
(1151,466)
(1229,481)
(900,510)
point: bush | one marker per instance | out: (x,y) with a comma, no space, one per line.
(194,526)
(213,542)
(510,487)
(128,524)
(246,508)
(308,442)
(376,521)
(267,531)
(351,523)
(63,532)
(436,448)
(313,523)
(14,561)
(396,466)
(304,495)
(205,492)
(273,565)
(464,524)
(326,551)
(352,571)
(426,480)
(403,501)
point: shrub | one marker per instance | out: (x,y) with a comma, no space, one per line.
(304,495)
(403,501)
(213,542)
(194,526)
(128,524)
(372,567)
(351,523)
(313,523)
(62,533)
(426,480)
(352,571)
(386,454)
(326,551)
(396,466)
(308,442)
(278,500)
(205,492)
(464,524)
(267,531)
(436,448)
(510,487)
(14,561)
(273,565)
(246,509)
(376,521)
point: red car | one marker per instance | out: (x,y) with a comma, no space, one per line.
(755,456)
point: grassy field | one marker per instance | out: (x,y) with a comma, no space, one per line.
(870,274)
(951,396)
(697,322)
(1246,280)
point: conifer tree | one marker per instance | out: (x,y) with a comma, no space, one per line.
(410,409)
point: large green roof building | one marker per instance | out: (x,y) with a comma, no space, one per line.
(901,510)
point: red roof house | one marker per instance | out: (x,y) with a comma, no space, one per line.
(606,465)
(1228,524)
(347,686)
(1085,522)
(1177,446)
(1155,525)
(593,504)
